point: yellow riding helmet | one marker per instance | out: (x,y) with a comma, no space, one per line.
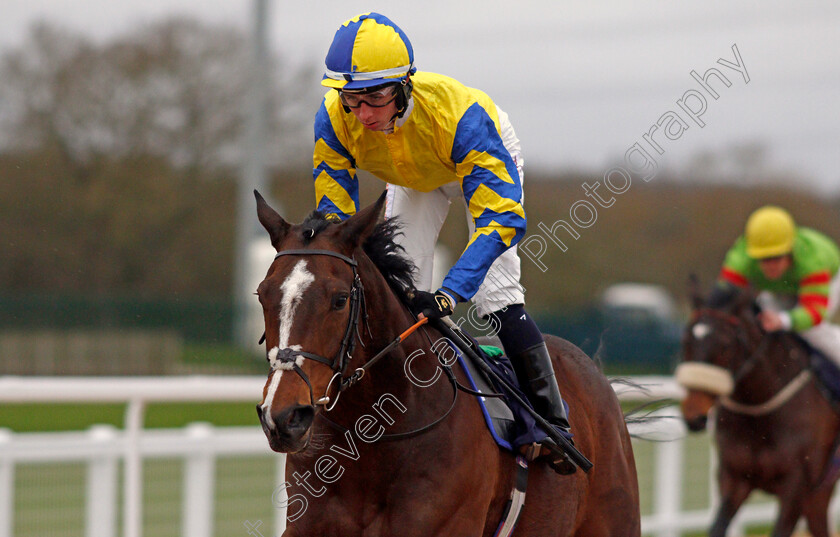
(770,232)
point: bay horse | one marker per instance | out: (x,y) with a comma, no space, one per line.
(774,430)
(388,448)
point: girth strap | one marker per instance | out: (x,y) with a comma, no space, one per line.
(513,507)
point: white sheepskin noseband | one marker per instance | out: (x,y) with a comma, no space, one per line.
(705,377)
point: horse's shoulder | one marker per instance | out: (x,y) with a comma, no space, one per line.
(569,359)
(568,352)
(575,369)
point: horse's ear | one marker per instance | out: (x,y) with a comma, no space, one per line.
(271,221)
(358,227)
(694,292)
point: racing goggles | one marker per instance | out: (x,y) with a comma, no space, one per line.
(376,99)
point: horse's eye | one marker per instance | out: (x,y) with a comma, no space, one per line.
(339,301)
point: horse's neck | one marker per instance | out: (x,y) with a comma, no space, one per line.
(391,374)
(387,316)
(775,367)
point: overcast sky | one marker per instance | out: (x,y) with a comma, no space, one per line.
(581,81)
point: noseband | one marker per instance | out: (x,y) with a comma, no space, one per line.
(287,357)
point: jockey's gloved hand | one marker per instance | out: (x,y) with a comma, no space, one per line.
(433,305)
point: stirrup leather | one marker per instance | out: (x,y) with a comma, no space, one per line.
(550,453)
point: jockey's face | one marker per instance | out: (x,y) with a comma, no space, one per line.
(373,110)
(774,267)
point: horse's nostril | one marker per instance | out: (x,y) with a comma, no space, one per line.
(300,417)
(295,421)
(259,411)
(697,424)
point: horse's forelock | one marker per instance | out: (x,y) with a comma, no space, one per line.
(312,226)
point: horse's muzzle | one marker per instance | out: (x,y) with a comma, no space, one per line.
(288,428)
(695,409)
(697,423)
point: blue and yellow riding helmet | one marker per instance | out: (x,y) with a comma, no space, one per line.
(368,52)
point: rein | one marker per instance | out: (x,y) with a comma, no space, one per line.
(774,403)
(414,432)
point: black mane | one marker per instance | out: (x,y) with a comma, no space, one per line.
(730,298)
(388,256)
(722,296)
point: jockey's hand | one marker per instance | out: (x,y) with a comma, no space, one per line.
(433,305)
(771,321)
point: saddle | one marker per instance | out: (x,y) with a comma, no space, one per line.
(827,374)
(509,423)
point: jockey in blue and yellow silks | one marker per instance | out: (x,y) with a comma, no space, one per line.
(451,136)
(433,140)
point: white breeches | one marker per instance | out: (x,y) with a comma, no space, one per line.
(422,215)
(825,337)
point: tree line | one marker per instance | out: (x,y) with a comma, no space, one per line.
(119,159)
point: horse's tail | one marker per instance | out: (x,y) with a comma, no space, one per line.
(649,420)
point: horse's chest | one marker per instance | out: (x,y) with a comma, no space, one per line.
(755,456)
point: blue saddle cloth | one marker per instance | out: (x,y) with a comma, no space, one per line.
(509,423)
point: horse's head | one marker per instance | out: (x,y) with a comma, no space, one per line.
(717,345)
(312,297)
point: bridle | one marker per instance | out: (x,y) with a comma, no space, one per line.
(287,358)
(754,358)
(753,355)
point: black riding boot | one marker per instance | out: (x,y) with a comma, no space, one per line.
(524,343)
(542,385)
(536,374)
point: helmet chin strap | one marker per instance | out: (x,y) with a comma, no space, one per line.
(392,124)
(403,96)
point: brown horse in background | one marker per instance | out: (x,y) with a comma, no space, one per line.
(774,430)
(399,453)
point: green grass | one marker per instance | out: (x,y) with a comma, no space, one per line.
(49,497)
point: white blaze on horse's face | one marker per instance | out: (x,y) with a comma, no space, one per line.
(293,288)
(700,330)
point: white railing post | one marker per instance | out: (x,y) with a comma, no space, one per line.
(101,498)
(133,488)
(669,480)
(7,484)
(283,497)
(199,477)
